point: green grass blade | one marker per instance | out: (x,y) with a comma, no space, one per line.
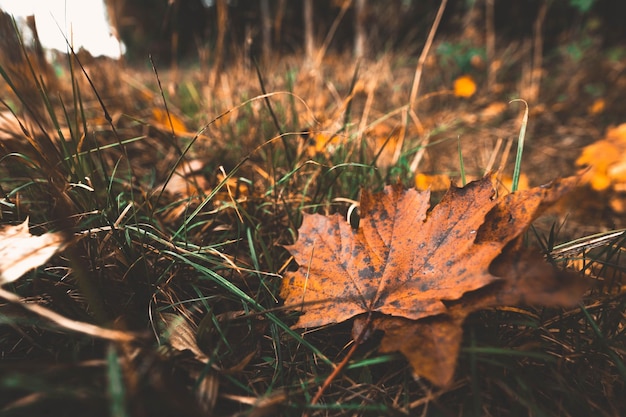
(520,148)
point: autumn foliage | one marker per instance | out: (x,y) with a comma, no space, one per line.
(464,86)
(417,274)
(607,161)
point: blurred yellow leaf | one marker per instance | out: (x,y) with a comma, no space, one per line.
(322,143)
(464,86)
(383,140)
(437,182)
(597,106)
(235,187)
(493,110)
(505,184)
(606,158)
(441,182)
(20,251)
(225,119)
(617,172)
(162,121)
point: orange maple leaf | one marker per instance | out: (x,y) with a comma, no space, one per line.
(416,274)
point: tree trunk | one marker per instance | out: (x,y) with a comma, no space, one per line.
(266,31)
(359,28)
(309,43)
(278,20)
(222,24)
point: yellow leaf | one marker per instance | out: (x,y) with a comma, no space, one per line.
(163,121)
(597,106)
(600,182)
(493,110)
(617,172)
(606,158)
(505,184)
(438,182)
(322,143)
(464,86)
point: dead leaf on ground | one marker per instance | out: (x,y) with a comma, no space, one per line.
(187,180)
(442,182)
(607,160)
(419,273)
(182,335)
(168,121)
(20,251)
(435,182)
(493,111)
(597,107)
(464,86)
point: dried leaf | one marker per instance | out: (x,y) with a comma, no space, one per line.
(169,121)
(505,184)
(322,143)
(432,345)
(417,273)
(20,251)
(596,107)
(493,110)
(464,86)
(436,182)
(606,158)
(187,180)
(441,182)
(182,335)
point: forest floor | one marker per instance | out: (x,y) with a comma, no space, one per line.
(181,188)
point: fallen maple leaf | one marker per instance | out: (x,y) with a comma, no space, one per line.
(415,274)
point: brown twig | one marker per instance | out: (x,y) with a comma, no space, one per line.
(490,44)
(415,84)
(331,33)
(329,380)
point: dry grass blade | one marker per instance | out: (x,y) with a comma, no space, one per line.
(73,325)
(583,244)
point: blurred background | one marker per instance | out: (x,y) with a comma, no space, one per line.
(264,29)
